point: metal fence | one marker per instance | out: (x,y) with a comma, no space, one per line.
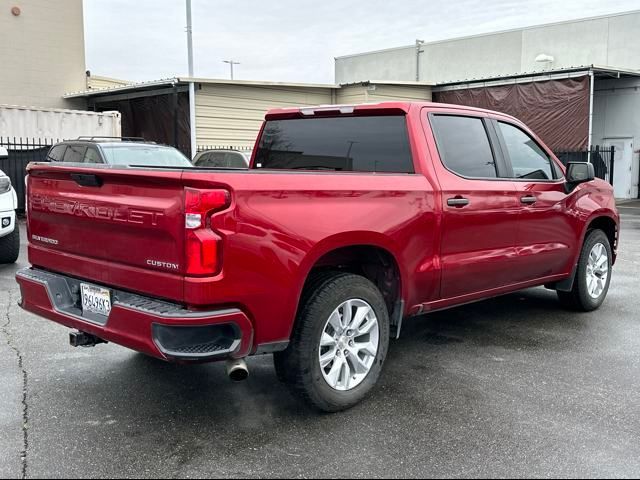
(23,151)
(203,148)
(602,158)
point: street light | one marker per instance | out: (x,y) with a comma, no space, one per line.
(231,64)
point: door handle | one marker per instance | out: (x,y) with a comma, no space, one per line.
(458,202)
(529,200)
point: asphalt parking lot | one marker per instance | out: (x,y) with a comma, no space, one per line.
(509,387)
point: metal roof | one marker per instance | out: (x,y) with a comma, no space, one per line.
(123,88)
(400,83)
(544,75)
(168,82)
(256,83)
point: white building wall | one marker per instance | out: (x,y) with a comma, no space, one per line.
(623,51)
(604,41)
(473,58)
(394,64)
(570,44)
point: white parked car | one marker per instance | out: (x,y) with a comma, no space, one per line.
(9,231)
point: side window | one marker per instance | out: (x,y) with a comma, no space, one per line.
(56,154)
(92,156)
(74,154)
(527,157)
(464,146)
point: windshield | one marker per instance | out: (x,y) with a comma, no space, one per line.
(145,155)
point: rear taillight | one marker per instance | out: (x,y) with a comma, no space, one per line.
(203,245)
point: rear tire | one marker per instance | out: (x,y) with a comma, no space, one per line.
(590,286)
(10,247)
(354,369)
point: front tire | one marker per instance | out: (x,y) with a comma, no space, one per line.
(10,247)
(593,275)
(339,344)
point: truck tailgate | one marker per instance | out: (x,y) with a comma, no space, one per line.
(119,227)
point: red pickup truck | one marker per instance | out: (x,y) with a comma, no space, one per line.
(349,219)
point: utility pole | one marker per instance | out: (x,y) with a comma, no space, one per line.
(192,85)
(231,64)
(419,50)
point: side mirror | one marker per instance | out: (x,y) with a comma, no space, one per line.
(4,153)
(579,172)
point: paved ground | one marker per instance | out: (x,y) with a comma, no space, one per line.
(508,387)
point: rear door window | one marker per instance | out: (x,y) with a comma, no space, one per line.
(75,154)
(528,159)
(56,154)
(343,144)
(464,146)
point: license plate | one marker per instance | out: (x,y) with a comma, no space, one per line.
(95,299)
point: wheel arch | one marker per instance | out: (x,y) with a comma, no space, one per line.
(369,254)
(609,224)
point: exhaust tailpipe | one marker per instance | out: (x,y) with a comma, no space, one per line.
(237,370)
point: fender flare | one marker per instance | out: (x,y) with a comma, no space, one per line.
(345,240)
(567,284)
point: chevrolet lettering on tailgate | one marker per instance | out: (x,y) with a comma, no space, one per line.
(97,211)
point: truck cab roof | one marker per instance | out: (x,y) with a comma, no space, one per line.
(370,109)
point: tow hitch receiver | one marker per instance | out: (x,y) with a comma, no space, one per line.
(81,339)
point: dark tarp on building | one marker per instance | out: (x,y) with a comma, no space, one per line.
(557,110)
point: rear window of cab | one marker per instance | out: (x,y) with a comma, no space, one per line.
(339,144)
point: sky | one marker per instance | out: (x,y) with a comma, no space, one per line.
(293,40)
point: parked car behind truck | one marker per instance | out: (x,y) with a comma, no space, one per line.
(123,151)
(9,231)
(349,220)
(223,158)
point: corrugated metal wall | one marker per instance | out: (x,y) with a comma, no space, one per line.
(55,123)
(231,115)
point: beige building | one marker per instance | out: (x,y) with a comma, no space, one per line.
(41,52)
(228,113)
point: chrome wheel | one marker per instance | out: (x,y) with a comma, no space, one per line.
(349,345)
(597,270)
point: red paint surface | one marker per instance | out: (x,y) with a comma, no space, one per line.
(278,224)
